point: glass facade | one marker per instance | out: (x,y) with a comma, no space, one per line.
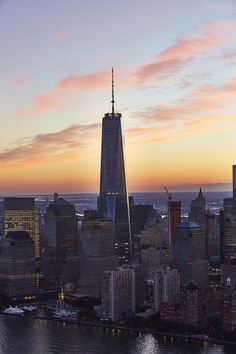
(113,199)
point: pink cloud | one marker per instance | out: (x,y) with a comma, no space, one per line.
(19,80)
(43,103)
(184,50)
(85,82)
(61,36)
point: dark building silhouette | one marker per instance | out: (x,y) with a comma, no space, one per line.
(234,181)
(113,199)
(174,217)
(141,212)
(189,253)
(228,236)
(60,246)
(21,214)
(17,267)
(198,210)
(96,252)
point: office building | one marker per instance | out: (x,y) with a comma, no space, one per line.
(195,314)
(113,200)
(229,308)
(189,253)
(60,246)
(118,294)
(96,252)
(17,267)
(21,214)
(166,287)
(228,236)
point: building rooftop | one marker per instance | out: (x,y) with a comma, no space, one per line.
(60,202)
(186,225)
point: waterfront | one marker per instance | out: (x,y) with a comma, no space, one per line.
(28,335)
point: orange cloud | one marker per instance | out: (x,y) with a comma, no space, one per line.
(64,145)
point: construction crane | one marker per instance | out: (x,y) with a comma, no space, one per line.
(169,195)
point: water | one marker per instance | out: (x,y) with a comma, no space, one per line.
(28,335)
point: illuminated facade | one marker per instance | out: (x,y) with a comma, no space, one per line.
(17,265)
(20,214)
(113,199)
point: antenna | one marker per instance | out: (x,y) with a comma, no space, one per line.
(113,96)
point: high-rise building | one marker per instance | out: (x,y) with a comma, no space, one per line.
(174,218)
(113,199)
(96,252)
(21,214)
(166,286)
(189,253)
(198,210)
(17,267)
(229,308)
(212,242)
(194,306)
(60,246)
(118,293)
(228,236)
(234,181)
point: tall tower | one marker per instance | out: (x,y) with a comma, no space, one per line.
(113,199)
(198,210)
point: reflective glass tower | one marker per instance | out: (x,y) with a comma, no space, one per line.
(113,199)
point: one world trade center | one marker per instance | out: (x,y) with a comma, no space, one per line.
(113,199)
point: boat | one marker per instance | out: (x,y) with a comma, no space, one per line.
(29,308)
(64,313)
(14,310)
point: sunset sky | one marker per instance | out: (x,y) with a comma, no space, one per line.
(175,81)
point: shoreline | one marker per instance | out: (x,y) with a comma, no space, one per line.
(187,338)
(191,337)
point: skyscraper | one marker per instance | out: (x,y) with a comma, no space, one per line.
(60,246)
(189,253)
(17,265)
(21,214)
(119,293)
(228,236)
(96,252)
(113,199)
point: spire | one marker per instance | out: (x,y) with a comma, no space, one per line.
(200,196)
(112,94)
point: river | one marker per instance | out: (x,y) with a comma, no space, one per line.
(27,335)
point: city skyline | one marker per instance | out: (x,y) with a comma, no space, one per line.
(175,86)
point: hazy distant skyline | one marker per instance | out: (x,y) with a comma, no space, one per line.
(175,81)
